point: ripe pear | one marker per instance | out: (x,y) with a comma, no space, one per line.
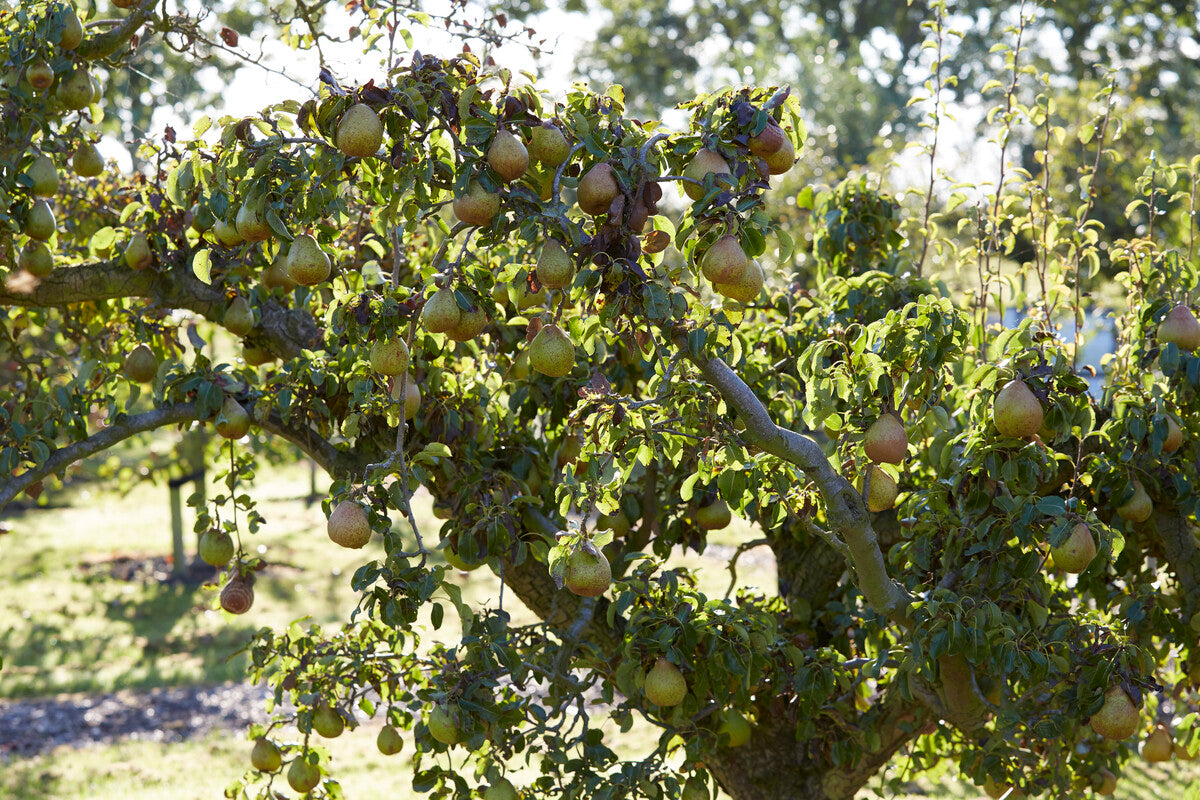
(597,189)
(551,352)
(1158,745)
(389,742)
(412,396)
(725,261)
(735,726)
(265,756)
(216,547)
(39,224)
(748,288)
(360,133)
(548,146)
(714,516)
(1118,717)
(886,441)
(226,233)
(883,491)
(1077,552)
(141,365)
(307,263)
(236,422)
(706,162)
(239,318)
(349,525)
(555,267)
(478,206)
(75,91)
(471,323)
(36,259)
(1137,508)
(72,32)
(694,789)
(328,722)
(768,141)
(665,684)
(782,159)
(443,724)
(40,75)
(87,161)
(303,776)
(1174,438)
(1180,326)
(44,175)
(251,221)
(502,789)
(275,276)
(588,574)
(389,356)
(137,252)
(1106,784)
(1016,411)
(238,595)
(441,312)
(508,157)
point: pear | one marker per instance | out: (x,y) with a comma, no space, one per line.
(597,190)
(275,276)
(1182,753)
(256,356)
(251,221)
(72,32)
(1137,508)
(478,206)
(389,741)
(1077,551)
(360,133)
(1180,326)
(44,175)
(665,684)
(588,574)
(141,365)
(551,352)
(75,91)
(265,756)
(412,396)
(87,161)
(768,141)
(1174,438)
(39,223)
(748,288)
(1118,717)
(1107,783)
(239,319)
(238,595)
(886,441)
(389,356)
(782,159)
(527,299)
(97,93)
(508,157)
(618,523)
(36,259)
(441,312)
(735,726)
(40,75)
(349,525)
(443,724)
(216,548)
(706,162)
(235,423)
(502,789)
(471,323)
(1158,745)
(725,261)
(548,146)
(137,252)
(1016,411)
(302,776)
(714,516)
(555,268)
(226,233)
(307,263)
(328,722)
(997,790)
(694,789)
(882,495)
(456,561)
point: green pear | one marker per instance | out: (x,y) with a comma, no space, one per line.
(87,161)
(725,261)
(886,441)
(706,162)
(412,396)
(1118,718)
(1077,551)
(36,259)
(782,159)
(478,206)
(502,789)
(216,547)
(735,726)
(389,356)
(226,233)
(327,722)
(349,525)
(137,252)
(44,175)
(389,742)
(548,146)
(276,276)
(75,91)
(256,356)
(307,263)
(40,75)
(303,776)
(665,685)
(72,32)
(251,221)
(1180,326)
(360,133)
(141,365)
(714,516)
(471,323)
(768,141)
(265,756)
(233,422)
(1174,438)
(202,218)
(39,224)
(883,491)
(551,352)
(456,561)
(443,724)
(748,288)
(694,789)
(441,312)
(618,523)
(588,574)
(239,318)
(597,190)
(1137,508)
(1017,411)
(508,157)
(1158,746)
(1106,784)
(555,268)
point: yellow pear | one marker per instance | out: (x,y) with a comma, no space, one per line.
(36,259)
(748,288)
(555,268)
(40,75)
(389,356)
(1106,783)
(706,162)
(883,491)
(471,323)
(307,263)
(508,157)
(412,396)
(275,276)
(360,132)
(87,161)
(1158,745)
(548,146)
(44,175)
(1137,508)
(239,318)
(251,221)
(39,224)
(1174,438)
(441,312)
(1077,552)
(478,206)
(1180,326)
(349,525)
(226,233)
(886,441)
(551,352)
(233,421)
(138,255)
(588,574)
(75,91)
(1118,717)
(597,190)
(782,159)
(725,261)
(665,685)
(1016,410)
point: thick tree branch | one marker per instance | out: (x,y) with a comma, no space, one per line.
(103,45)
(336,462)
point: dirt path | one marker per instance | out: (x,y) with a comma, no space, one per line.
(164,715)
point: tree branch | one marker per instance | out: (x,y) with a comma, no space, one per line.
(105,44)
(334,461)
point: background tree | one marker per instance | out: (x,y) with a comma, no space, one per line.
(451,280)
